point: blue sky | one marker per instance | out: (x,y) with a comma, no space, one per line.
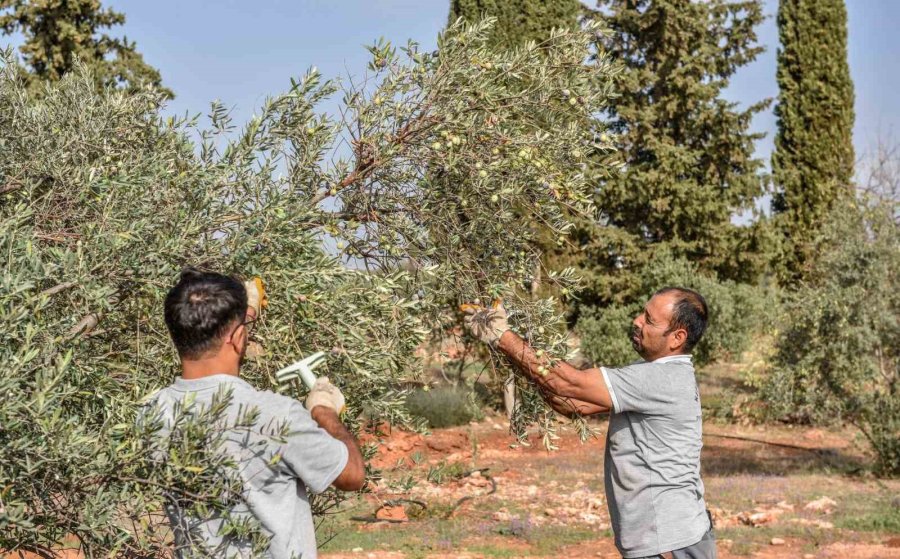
(240,52)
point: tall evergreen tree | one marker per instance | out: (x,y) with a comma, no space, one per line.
(688,162)
(57,32)
(519,21)
(813,159)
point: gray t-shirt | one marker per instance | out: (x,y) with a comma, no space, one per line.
(652,465)
(275,490)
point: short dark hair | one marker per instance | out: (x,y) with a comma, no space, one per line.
(689,312)
(200,310)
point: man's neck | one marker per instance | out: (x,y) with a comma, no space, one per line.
(200,368)
(675,353)
(670,356)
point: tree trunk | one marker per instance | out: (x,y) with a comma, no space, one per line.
(509,395)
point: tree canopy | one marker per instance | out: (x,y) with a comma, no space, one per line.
(518,21)
(56,33)
(685,155)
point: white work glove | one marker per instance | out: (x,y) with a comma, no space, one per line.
(256,295)
(487,324)
(325,394)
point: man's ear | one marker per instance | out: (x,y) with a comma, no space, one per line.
(235,340)
(678,339)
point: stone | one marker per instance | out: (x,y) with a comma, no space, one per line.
(822,504)
(821,524)
(392,513)
(439,446)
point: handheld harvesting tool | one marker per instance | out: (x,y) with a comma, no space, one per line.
(301,370)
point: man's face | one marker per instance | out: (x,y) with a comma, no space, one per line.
(649,329)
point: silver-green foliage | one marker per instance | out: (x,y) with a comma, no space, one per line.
(837,354)
(420,184)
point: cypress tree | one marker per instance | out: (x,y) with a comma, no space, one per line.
(57,32)
(518,21)
(813,160)
(687,154)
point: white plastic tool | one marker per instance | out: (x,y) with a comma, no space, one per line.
(301,370)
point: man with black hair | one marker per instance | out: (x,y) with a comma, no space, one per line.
(209,319)
(652,461)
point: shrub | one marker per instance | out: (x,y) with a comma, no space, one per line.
(605,332)
(444,406)
(837,352)
(736,312)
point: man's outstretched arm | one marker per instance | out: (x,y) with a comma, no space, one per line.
(568,390)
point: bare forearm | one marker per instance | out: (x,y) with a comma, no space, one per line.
(571,407)
(562,385)
(329,420)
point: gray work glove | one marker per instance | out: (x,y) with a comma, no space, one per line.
(488,324)
(325,394)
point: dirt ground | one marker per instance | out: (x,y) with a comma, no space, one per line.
(775,492)
(473,492)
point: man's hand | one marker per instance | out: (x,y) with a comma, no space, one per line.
(325,394)
(256,295)
(487,324)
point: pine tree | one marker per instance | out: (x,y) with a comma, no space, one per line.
(687,154)
(813,160)
(57,32)
(518,21)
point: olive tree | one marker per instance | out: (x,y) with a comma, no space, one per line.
(369,227)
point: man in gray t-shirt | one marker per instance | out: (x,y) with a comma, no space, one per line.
(208,317)
(652,464)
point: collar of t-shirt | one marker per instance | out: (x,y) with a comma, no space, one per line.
(205,383)
(676,358)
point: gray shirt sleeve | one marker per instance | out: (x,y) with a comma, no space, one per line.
(311,453)
(643,387)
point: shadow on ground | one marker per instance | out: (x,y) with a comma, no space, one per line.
(728,456)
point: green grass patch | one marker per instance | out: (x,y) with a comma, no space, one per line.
(544,541)
(747,540)
(548,540)
(414,538)
(873,510)
(886,520)
(443,472)
(444,406)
